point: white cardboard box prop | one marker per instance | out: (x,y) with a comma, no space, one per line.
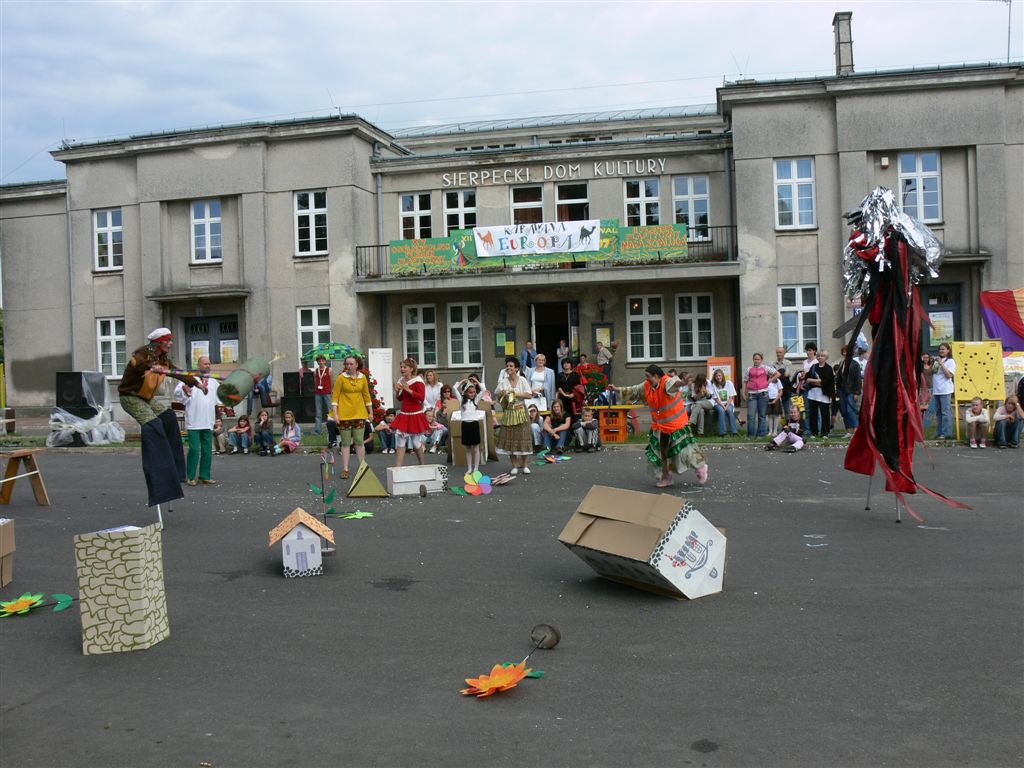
(406,481)
(456,450)
(651,541)
(121,589)
(6,551)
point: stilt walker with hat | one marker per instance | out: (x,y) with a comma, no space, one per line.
(163,459)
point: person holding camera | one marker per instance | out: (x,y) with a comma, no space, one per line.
(791,435)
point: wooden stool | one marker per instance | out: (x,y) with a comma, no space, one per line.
(14,461)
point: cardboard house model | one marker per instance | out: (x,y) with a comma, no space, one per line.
(299,534)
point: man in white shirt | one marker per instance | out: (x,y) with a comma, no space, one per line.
(200,414)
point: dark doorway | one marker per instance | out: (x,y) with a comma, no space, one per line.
(550,323)
(215,337)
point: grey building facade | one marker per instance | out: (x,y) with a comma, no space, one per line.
(254,239)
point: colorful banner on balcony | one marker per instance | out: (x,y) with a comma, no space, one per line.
(541,237)
(609,243)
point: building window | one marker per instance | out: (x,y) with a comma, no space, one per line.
(206,240)
(416,216)
(465,346)
(694,325)
(798,316)
(794,193)
(459,210)
(921,185)
(314,327)
(645,328)
(311,222)
(108,239)
(111,348)
(690,200)
(527,205)
(643,208)
(419,324)
(572,202)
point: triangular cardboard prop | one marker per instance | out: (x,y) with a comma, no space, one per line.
(365,483)
(650,541)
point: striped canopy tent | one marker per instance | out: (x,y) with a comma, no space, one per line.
(333,350)
(1003,313)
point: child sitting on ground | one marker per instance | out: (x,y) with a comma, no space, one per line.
(240,435)
(791,434)
(291,435)
(387,434)
(220,437)
(536,427)
(264,430)
(588,435)
(977,423)
(438,436)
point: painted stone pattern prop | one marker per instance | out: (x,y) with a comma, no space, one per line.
(299,534)
(650,541)
(121,589)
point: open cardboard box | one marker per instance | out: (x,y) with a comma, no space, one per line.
(651,541)
(6,551)
(456,451)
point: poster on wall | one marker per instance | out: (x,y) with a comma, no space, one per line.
(540,237)
(229,351)
(197,350)
(727,366)
(603,333)
(379,361)
(504,341)
(942,328)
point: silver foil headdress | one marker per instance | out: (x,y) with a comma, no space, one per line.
(874,218)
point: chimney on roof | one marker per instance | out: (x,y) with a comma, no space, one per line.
(844,43)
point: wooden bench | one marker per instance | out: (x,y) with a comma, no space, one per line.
(14,463)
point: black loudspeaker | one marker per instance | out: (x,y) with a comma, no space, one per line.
(308,384)
(69,390)
(291,384)
(304,408)
(70,394)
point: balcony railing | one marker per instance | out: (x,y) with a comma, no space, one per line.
(705,244)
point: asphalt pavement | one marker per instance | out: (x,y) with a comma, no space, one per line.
(841,638)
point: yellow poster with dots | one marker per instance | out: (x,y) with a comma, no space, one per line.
(979,370)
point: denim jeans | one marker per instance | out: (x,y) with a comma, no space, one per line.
(733,426)
(561,441)
(943,424)
(387,440)
(929,412)
(757,414)
(239,440)
(848,407)
(323,407)
(1007,433)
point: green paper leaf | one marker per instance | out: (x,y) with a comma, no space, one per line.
(331,511)
(535,673)
(330,496)
(459,491)
(63,602)
(356,515)
(315,488)
(542,454)
(539,463)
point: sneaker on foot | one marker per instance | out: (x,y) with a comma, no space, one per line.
(981,444)
(515,471)
(234,451)
(526,470)
(974,443)
(702,474)
(245,451)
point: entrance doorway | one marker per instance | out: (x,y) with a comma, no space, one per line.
(213,337)
(550,322)
(942,304)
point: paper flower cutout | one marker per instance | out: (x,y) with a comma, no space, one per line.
(501,679)
(477,483)
(357,515)
(23,604)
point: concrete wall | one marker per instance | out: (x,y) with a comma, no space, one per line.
(37,330)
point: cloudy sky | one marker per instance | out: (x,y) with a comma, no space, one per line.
(83,71)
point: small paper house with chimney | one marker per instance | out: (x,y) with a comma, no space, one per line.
(299,534)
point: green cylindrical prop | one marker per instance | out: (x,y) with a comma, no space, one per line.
(236,387)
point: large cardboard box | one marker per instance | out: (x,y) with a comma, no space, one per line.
(651,541)
(6,551)
(121,589)
(456,451)
(407,481)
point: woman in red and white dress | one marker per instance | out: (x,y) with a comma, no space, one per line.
(411,426)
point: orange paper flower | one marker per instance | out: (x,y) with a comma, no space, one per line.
(500,679)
